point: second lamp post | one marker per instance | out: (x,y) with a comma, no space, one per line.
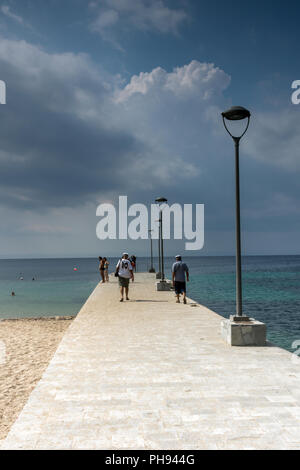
(151,270)
(161,201)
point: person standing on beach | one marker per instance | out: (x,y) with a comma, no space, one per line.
(101,269)
(125,272)
(106,264)
(179,272)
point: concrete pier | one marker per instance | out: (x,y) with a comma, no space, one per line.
(153,374)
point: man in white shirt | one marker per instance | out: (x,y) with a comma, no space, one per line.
(125,273)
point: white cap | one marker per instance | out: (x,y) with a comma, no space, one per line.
(125,254)
(178,256)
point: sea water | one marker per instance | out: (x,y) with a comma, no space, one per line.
(271,288)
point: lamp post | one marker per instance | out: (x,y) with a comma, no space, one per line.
(160,201)
(151,270)
(158,274)
(237,113)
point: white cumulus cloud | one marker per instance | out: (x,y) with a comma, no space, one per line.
(197,80)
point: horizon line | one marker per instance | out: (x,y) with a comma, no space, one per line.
(146,256)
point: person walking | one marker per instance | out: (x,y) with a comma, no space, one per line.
(179,272)
(133,262)
(106,264)
(125,272)
(101,269)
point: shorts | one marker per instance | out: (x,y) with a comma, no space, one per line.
(123,281)
(180,287)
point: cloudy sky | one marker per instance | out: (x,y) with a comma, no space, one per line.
(123,97)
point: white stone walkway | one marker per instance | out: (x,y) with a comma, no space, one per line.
(152,374)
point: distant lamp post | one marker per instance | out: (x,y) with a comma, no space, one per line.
(161,201)
(237,113)
(158,274)
(151,270)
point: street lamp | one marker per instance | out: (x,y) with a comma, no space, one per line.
(158,274)
(151,270)
(161,201)
(237,113)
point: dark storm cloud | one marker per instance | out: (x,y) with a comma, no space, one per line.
(56,159)
(56,148)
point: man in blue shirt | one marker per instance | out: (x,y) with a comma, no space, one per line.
(179,272)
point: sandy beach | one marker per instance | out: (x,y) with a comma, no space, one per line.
(26,347)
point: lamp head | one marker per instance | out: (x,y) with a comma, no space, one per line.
(236,113)
(161,200)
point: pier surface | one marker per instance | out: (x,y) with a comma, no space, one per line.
(153,374)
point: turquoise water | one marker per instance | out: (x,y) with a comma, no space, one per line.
(56,291)
(271,288)
(44,298)
(271,292)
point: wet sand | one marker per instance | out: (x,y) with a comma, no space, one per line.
(26,347)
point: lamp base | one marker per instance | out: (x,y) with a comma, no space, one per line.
(243,332)
(151,270)
(163,286)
